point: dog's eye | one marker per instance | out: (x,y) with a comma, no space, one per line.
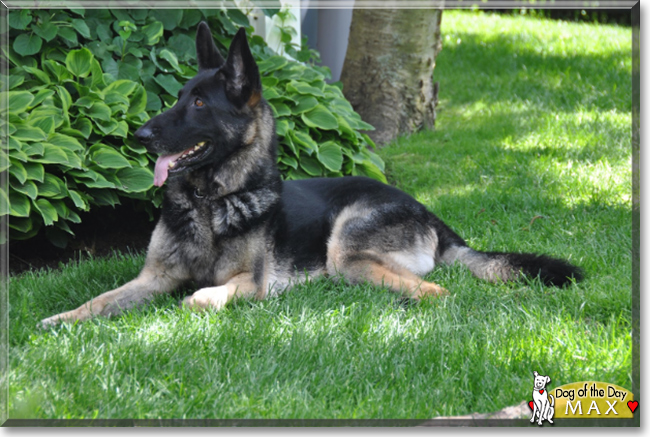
(198,102)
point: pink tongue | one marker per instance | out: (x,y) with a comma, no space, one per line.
(162,168)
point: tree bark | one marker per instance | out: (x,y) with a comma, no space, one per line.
(388,70)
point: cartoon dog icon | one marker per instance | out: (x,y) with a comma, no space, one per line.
(543,408)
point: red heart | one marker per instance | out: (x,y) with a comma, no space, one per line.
(541,392)
(531,404)
(632,405)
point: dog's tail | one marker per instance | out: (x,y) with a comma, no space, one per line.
(502,266)
(552,400)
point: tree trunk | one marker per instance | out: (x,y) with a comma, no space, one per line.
(388,69)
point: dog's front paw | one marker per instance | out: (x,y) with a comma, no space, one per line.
(210,297)
(50,322)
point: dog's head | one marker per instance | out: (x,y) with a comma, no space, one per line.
(208,122)
(541,381)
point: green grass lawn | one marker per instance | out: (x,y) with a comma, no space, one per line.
(532,152)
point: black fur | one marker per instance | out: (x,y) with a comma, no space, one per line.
(551,271)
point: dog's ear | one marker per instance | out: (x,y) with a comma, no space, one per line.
(535,373)
(207,53)
(243,84)
(548,379)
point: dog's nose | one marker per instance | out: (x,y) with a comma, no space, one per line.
(144,134)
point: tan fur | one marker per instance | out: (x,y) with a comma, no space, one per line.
(241,285)
(157,277)
(383,269)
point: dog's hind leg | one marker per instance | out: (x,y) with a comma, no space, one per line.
(241,285)
(367,266)
(384,245)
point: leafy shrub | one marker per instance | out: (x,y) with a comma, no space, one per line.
(82,81)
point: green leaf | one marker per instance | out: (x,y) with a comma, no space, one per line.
(20,224)
(305,140)
(66,141)
(69,35)
(369,169)
(43,95)
(46,124)
(171,58)
(52,155)
(288,160)
(304,104)
(169,83)
(280,109)
(47,211)
(270,93)
(57,71)
(51,187)
(35,171)
(281,127)
(183,46)
(271,64)
(107,127)
(153,32)
(17,170)
(81,27)
(20,19)
(15,80)
(302,88)
(47,31)
(61,208)
(19,205)
(78,200)
(28,188)
(64,96)
(18,155)
(78,62)
(122,86)
(33,149)
(330,155)
(84,126)
(18,101)
(170,18)
(138,102)
(98,111)
(311,165)
(28,133)
(135,180)
(153,102)
(96,74)
(121,130)
(27,44)
(105,198)
(107,157)
(320,117)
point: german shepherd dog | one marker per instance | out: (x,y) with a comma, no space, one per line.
(230,224)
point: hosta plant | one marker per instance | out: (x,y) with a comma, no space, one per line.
(82,81)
